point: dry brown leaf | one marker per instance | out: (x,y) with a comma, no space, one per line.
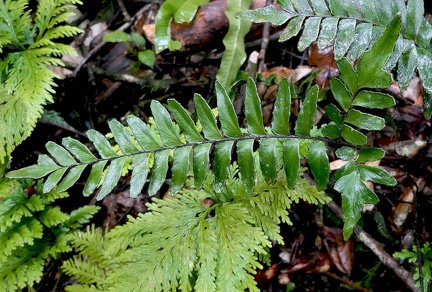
(404,208)
(341,252)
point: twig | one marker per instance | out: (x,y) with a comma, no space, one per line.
(348,282)
(124,11)
(265,41)
(379,251)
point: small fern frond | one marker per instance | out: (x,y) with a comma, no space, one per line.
(28,82)
(31,231)
(354,26)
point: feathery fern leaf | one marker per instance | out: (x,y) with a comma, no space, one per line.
(354,26)
(31,231)
(198,241)
(27,81)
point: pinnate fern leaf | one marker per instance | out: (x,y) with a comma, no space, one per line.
(148,150)
(354,26)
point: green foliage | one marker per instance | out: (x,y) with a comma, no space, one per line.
(28,47)
(426,258)
(234,55)
(146,57)
(190,149)
(179,11)
(200,240)
(139,143)
(355,26)
(33,230)
(184,11)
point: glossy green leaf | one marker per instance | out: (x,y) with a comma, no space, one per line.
(384,12)
(184,121)
(164,124)
(376,175)
(139,173)
(372,99)
(368,10)
(337,8)
(331,131)
(53,179)
(291,158)
(334,114)
(414,18)
(369,154)
(292,29)
(306,116)
(348,75)
(181,11)
(122,137)
(253,112)
(101,144)
(302,7)
(344,37)
(235,54)
(424,68)
(265,14)
(354,194)
(227,115)
(319,164)
(147,57)
(365,121)
(94,177)
(267,155)
(344,170)
(282,108)
(310,32)
(320,7)
(206,118)
(246,163)
(353,136)
(33,171)
(370,68)
(61,155)
(142,133)
(159,171)
(117,37)
(201,162)
(345,153)
(79,150)
(362,37)
(425,34)
(138,39)
(352,9)
(180,168)
(341,93)
(328,31)
(406,66)
(112,177)
(222,160)
(71,177)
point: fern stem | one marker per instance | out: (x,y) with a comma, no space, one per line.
(42,223)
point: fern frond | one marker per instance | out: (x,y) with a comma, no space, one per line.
(31,231)
(28,84)
(354,26)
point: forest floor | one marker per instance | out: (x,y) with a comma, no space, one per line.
(107,82)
